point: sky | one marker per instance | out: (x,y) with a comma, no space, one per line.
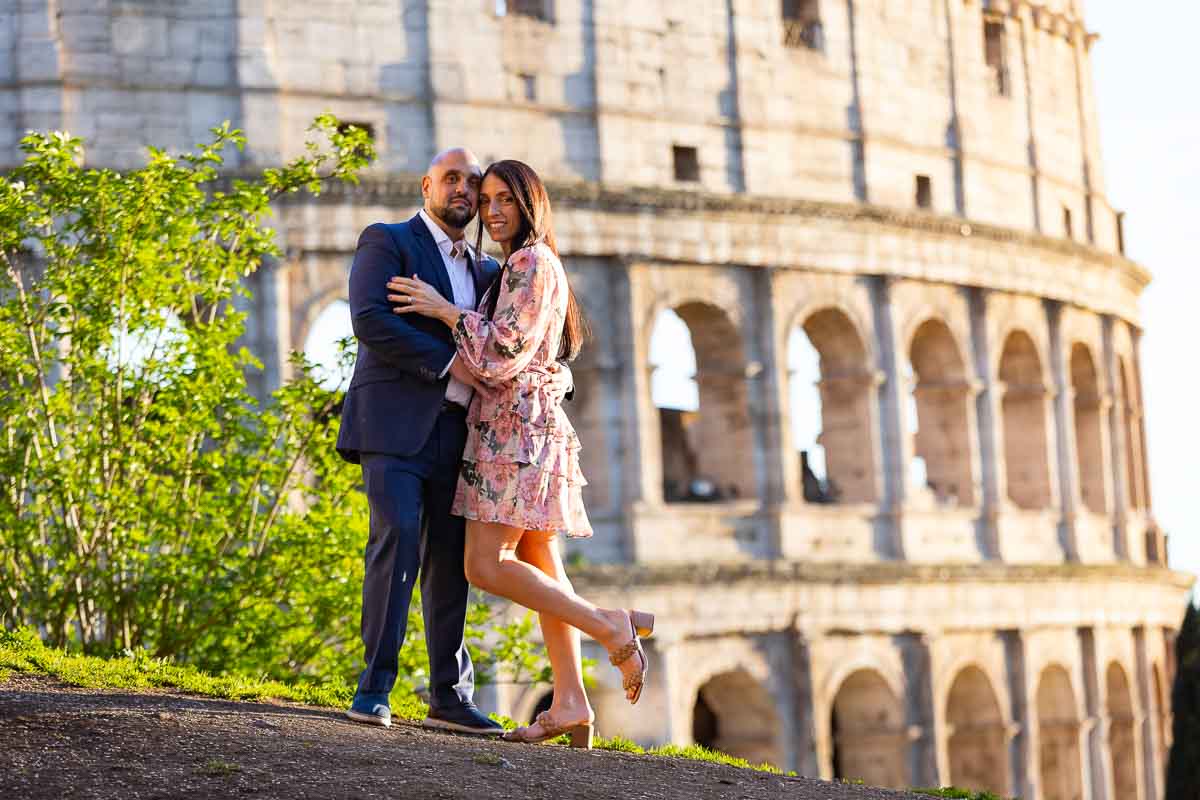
(1145,66)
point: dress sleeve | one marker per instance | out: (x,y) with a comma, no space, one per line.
(496,350)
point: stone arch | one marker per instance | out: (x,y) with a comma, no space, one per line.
(305,313)
(1160,706)
(708,454)
(845,389)
(1089,428)
(942,392)
(590,416)
(1131,424)
(1024,407)
(328,323)
(1059,764)
(1122,745)
(734,713)
(867,731)
(976,743)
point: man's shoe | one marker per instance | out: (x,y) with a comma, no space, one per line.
(465,718)
(370,709)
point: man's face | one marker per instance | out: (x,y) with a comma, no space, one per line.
(451,189)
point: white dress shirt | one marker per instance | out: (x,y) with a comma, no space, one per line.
(464,293)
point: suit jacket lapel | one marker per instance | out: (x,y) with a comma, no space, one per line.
(483,276)
(486,279)
(433,257)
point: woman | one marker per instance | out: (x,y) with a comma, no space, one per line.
(520,480)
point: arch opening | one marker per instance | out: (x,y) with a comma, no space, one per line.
(977,744)
(1160,715)
(868,733)
(322,346)
(1131,423)
(830,386)
(1089,429)
(942,437)
(1059,764)
(735,714)
(1023,409)
(590,415)
(698,383)
(1122,746)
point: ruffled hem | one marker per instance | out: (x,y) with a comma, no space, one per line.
(551,450)
(523,496)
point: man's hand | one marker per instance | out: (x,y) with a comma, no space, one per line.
(460,373)
(561,381)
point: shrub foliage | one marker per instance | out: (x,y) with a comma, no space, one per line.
(148,499)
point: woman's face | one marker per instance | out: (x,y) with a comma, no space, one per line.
(498,210)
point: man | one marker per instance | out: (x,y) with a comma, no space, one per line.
(404,420)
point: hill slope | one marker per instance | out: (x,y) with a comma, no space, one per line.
(62,741)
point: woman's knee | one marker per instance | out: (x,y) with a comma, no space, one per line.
(478,567)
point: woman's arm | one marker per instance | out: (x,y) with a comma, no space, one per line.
(494,350)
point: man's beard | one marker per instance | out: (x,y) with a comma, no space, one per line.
(458,216)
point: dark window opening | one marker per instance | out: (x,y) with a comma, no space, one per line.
(369,128)
(1120,232)
(996,55)
(528,86)
(1068,227)
(687,163)
(924,192)
(534,9)
(802,24)
(345,127)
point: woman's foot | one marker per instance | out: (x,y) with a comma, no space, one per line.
(625,648)
(575,721)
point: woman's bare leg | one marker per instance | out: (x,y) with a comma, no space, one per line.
(492,564)
(540,549)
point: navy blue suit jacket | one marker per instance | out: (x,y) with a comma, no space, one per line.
(395,393)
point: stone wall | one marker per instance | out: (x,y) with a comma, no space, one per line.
(601,91)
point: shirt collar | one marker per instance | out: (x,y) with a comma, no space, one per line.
(443,241)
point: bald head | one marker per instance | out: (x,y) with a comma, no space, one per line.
(451,189)
(454,155)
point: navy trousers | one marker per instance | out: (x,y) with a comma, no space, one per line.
(412,530)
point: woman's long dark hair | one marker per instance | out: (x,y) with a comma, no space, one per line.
(533,202)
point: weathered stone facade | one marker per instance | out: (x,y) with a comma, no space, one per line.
(917,185)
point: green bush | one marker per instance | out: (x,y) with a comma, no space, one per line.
(149,501)
(1183,765)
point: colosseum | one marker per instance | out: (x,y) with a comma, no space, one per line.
(960,579)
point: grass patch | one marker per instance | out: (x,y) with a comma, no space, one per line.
(217,768)
(619,744)
(23,651)
(958,794)
(487,759)
(696,752)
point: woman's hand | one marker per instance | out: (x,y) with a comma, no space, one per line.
(415,296)
(562,382)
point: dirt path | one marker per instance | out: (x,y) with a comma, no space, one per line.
(65,742)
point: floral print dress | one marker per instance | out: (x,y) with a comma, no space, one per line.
(521,460)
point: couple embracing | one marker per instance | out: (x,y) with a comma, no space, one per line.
(470,464)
